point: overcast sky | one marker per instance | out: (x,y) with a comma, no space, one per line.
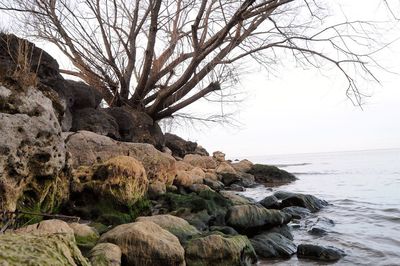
(303,111)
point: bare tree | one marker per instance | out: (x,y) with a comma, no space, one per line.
(161,56)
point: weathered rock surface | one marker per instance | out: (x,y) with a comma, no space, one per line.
(48,227)
(156,189)
(319,253)
(205,162)
(297,212)
(235,198)
(219,156)
(85,236)
(97,121)
(120,179)
(243,166)
(270,202)
(300,200)
(49,249)
(273,245)
(146,243)
(179,146)
(175,225)
(248,219)
(88,148)
(105,254)
(221,250)
(31,146)
(270,174)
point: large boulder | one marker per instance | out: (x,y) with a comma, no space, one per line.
(32,151)
(95,120)
(81,95)
(179,146)
(105,254)
(31,249)
(273,245)
(145,243)
(270,174)
(221,250)
(85,236)
(310,202)
(242,166)
(88,148)
(175,225)
(136,126)
(196,160)
(319,253)
(249,219)
(121,179)
(47,227)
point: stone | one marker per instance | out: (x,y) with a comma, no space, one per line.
(270,202)
(88,148)
(179,146)
(316,231)
(121,179)
(136,126)
(186,179)
(310,202)
(297,212)
(273,245)
(220,250)
(225,168)
(204,162)
(235,198)
(47,227)
(214,184)
(319,253)
(201,151)
(156,189)
(270,174)
(199,187)
(33,249)
(97,121)
(145,243)
(219,156)
(81,95)
(105,254)
(175,225)
(243,166)
(249,219)
(227,230)
(85,236)
(32,151)
(284,230)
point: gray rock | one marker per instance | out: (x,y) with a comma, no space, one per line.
(270,202)
(319,253)
(273,245)
(316,231)
(97,121)
(81,95)
(310,202)
(105,254)
(270,174)
(179,146)
(227,230)
(283,230)
(297,212)
(215,185)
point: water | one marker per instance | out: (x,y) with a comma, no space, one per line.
(363,189)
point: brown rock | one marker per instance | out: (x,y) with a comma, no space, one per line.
(195,160)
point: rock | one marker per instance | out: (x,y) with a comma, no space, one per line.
(82,95)
(270,202)
(85,236)
(105,254)
(219,249)
(243,166)
(32,151)
(215,185)
(210,174)
(319,253)
(235,198)
(225,168)
(49,249)
(282,230)
(88,148)
(156,189)
(273,245)
(201,151)
(316,231)
(121,179)
(235,187)
(175,225)
(301,200)
(199,187)
(48,227)
(97,121)
(179,146)
(246,180)
(270,174)
(249,219)
(200,161)
(186,179)
(145,243)
(184,166)
(227,230)
(135,126)
(297,212)
(219,156)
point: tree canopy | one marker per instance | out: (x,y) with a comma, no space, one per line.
(161,56)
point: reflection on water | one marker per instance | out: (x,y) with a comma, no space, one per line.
(363,189)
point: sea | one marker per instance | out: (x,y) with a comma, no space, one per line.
(363,215)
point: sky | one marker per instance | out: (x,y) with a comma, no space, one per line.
(305,111)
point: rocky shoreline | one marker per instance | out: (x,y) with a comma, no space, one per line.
(140,197)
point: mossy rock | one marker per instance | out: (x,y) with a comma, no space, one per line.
(29,249)
(270,174)
(218,249)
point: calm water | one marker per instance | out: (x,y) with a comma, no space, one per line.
(363,189)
